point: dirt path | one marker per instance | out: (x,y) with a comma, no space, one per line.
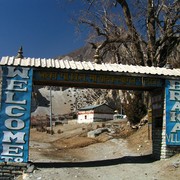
(115,159)
(107,161)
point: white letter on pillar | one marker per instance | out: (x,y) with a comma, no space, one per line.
(174,95)
(11,150)
(176,128)
(19,124)
(10,99)
(16,85)
(9,136)
(6,159)
(174,84)
(175,117)
(12,72)
(176,106)
(9,111)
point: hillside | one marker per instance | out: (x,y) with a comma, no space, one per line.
(68,100)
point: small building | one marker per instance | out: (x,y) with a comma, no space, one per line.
(95,113)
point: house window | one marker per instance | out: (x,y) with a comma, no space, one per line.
(85,117)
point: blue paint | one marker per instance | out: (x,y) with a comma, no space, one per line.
(91,78)
(173,112)
(15,114)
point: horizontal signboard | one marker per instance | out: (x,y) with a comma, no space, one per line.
(101,79)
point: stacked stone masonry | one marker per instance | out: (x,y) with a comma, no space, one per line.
(8,171)
(156,136)
(160,148)
(166,152)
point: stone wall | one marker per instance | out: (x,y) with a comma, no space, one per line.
(166,151)
(156,140)
(8,171)
(160,148)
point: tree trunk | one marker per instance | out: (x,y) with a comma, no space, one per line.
(151,34)
(134,35)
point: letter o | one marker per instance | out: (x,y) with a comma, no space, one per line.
(18,159)
(9,124)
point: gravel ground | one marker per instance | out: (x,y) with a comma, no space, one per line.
(114,159)
(107,164)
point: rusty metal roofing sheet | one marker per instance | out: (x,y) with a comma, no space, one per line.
(90,66)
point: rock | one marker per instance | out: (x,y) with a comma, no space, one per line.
(176,165)
(113,131)
(97,132)
(134,127)
(30,168)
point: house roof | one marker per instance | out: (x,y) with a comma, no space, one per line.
(91,107)
(90,66)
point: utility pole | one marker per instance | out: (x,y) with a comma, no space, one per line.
(50,97)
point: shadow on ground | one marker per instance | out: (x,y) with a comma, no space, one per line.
(108,162)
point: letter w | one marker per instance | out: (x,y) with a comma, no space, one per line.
(12,72)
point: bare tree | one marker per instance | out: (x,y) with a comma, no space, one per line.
(148,31)
(139,32)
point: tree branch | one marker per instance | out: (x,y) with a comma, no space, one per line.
(132,30)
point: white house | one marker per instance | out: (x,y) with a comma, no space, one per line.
(95,113)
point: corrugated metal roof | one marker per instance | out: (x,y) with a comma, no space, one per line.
(91,107)
(90,66)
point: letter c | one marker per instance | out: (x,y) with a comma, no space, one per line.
(9,111)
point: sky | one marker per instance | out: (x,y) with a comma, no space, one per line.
(42,27)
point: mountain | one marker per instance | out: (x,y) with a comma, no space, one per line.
(85,53)
(68,100)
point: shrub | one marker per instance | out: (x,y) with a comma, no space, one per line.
(134,107)
(59,131)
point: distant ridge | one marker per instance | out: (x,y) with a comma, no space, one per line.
(85,53)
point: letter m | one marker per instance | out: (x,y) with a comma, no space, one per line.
(9,136)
